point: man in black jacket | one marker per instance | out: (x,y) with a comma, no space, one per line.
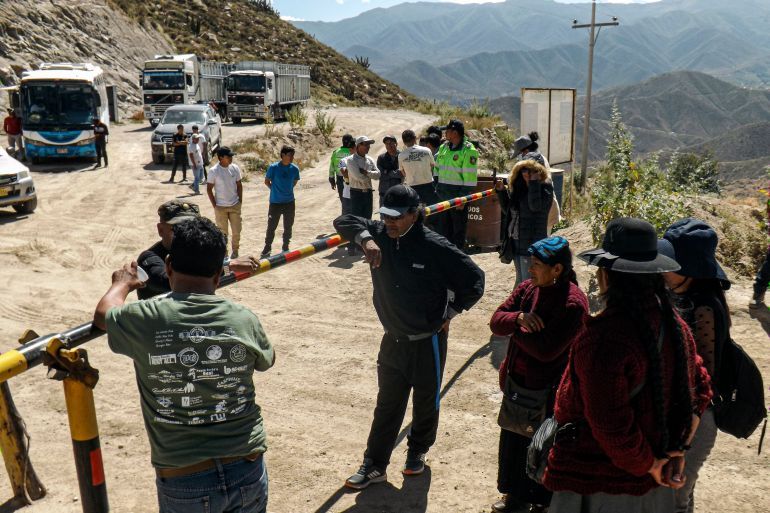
(421,281)
(153,259)
(387,163)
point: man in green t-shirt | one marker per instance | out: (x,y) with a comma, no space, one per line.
(194,356)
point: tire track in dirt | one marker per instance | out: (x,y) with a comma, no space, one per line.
(103,257)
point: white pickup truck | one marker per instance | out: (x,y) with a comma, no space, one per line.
(16,187)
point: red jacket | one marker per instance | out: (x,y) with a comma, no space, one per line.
(12,125)
(539,357)
(614,445)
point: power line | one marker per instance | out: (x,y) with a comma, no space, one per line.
(594,35)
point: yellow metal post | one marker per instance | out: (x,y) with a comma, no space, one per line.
(72,367)
(13,442)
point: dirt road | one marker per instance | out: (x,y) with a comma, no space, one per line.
(318,399)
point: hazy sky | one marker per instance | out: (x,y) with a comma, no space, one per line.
(332,10)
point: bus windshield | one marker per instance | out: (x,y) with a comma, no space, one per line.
(246,84)
(183,117)
(58,104)
(163,80)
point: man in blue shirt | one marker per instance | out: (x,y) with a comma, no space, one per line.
(281,178)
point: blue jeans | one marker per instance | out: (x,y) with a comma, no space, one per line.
(238,487)
(521,262)
(197,178)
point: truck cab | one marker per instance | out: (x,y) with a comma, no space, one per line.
(250,94)
(167,80)
(258,89)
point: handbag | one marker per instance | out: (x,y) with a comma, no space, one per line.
(522,410)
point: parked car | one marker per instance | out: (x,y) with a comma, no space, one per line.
(16,187)
(207,120)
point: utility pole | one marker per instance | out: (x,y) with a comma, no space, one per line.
(594,35)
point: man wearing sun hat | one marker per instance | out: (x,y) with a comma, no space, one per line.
(420,282)
(359,168)
(153,260)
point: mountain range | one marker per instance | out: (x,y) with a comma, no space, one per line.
(684,110)
(454,51)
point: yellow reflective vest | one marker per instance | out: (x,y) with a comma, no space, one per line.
(459,166)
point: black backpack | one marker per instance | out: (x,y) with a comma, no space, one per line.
(739,393)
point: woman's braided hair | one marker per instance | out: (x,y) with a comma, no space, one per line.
(634,293)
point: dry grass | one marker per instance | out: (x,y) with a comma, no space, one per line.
(475,117)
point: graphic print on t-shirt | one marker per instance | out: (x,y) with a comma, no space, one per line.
(201,383)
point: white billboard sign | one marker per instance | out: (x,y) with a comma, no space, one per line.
(550,113)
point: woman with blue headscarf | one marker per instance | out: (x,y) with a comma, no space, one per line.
(542,317)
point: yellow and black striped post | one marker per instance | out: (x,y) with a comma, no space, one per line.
(71,365)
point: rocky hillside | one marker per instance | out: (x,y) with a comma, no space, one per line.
(237,30)
(120,35)
(33,31)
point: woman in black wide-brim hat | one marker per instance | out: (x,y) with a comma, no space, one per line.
(634,387)
(698,292)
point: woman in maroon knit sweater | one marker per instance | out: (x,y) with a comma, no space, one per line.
(633,397)
(542,317)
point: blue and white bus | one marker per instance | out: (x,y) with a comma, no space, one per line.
(59,102)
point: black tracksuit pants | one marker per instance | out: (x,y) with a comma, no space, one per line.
(406,366)
(179,159)
(274,213)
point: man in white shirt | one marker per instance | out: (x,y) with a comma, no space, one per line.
(202,142)
(226,195)
(417,165)
(196,162)
(359,169)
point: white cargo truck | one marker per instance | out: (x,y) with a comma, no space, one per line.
(173,79)
(255,88)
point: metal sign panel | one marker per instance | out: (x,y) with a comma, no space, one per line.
(550,113)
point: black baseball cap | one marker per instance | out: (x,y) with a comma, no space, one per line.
(176,211)
(398,200)
(455,124)
(389,138)
(224,151)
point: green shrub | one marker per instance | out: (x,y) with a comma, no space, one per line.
(694,173)
(506,137)
(624,188)
(296,116)
(498,161)
(325,125)
(269,124)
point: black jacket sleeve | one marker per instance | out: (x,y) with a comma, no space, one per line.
(463,277)
(354,228)
(155,267)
